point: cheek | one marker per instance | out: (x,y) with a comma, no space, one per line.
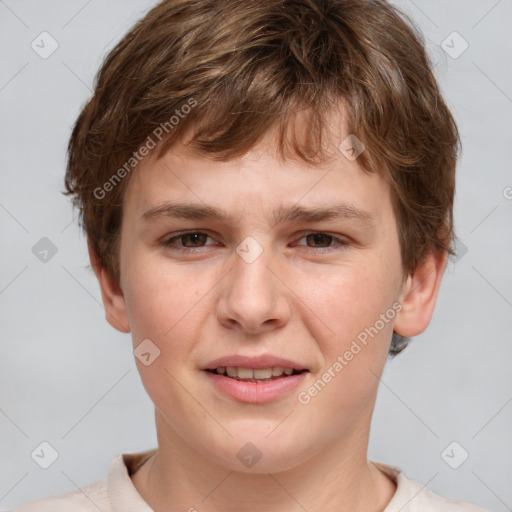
(167,308)
(348,300)
(355,303)
(163,301)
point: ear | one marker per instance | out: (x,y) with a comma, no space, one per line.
(419,295)
(111,294)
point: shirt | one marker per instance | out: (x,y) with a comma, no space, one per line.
(118,494)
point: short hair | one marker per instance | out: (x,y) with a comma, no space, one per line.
(232,70)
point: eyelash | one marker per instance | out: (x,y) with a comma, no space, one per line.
(341,242)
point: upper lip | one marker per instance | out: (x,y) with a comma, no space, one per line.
(262,361)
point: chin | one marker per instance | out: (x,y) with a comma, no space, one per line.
(259,453)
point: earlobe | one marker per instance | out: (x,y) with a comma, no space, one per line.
(419,295)
(111,294)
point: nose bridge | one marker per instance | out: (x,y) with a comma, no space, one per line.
(253,298)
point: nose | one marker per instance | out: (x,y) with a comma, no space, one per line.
(254,298)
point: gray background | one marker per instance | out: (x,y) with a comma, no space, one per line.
(68,378)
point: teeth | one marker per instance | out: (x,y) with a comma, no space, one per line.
(261,374)
(256,373)
(245,373)
(232,372)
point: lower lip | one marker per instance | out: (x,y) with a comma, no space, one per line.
(255,392)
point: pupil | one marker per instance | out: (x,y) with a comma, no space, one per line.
(195,238)
(319,237)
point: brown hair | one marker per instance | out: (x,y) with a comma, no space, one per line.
(234,69)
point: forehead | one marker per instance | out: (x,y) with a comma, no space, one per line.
(257,188)
(261,180)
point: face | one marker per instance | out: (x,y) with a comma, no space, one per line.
(260,263)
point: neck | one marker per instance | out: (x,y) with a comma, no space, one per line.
(338,478)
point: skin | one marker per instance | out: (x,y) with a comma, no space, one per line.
(303,298)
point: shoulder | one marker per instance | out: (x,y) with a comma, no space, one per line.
(411,496)
(91,498)
(428,501)
(116,492)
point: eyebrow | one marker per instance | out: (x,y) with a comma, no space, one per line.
(191,211)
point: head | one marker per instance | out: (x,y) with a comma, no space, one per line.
(248,109)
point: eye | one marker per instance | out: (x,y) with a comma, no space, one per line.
(197,240)
(319,239)
(322,240)
(191,240)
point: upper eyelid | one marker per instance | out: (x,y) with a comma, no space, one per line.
(328,233)
(184,233)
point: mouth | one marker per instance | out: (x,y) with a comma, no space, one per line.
(255,375)
(255,379)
